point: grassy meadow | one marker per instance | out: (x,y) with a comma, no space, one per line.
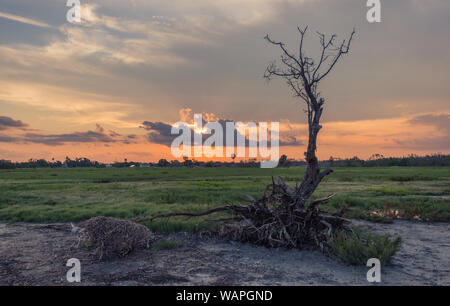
(62,195)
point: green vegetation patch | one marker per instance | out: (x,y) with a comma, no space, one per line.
(74,194)
(357,246)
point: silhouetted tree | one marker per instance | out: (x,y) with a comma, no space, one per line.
(163,163)
(281,217)
(303,75)
(282,161)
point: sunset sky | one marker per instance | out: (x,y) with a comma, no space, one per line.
(107,88)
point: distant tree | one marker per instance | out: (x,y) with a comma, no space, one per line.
(175,163)
(354,162)
(331,161)
(233,157)
(163,163)
(282,162)
(6,164)
(188,163)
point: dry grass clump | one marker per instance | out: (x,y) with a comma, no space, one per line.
(114,237)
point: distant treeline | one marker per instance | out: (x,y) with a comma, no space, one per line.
(42,163)
(376,160)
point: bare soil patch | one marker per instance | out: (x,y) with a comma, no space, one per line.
(36,254)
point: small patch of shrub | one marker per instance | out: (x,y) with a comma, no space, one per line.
(357,246)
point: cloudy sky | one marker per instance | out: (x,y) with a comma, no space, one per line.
(108,87)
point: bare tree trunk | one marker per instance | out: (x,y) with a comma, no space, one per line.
(313,176)
(303,75)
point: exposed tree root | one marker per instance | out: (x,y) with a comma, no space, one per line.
(275,220)
(204,213)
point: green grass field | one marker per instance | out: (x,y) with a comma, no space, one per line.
(61,195)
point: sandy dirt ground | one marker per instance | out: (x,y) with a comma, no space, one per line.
(37,255)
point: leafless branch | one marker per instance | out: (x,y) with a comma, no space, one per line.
(303,73)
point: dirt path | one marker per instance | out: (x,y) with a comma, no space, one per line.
(36,255)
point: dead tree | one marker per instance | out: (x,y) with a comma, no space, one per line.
(303,75)
(282,216)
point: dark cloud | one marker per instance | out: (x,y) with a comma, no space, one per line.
(100,135)
(441,122)
(8,123)
(439,143)
(290,141)
(75,137)
(160,133)
(4,138)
